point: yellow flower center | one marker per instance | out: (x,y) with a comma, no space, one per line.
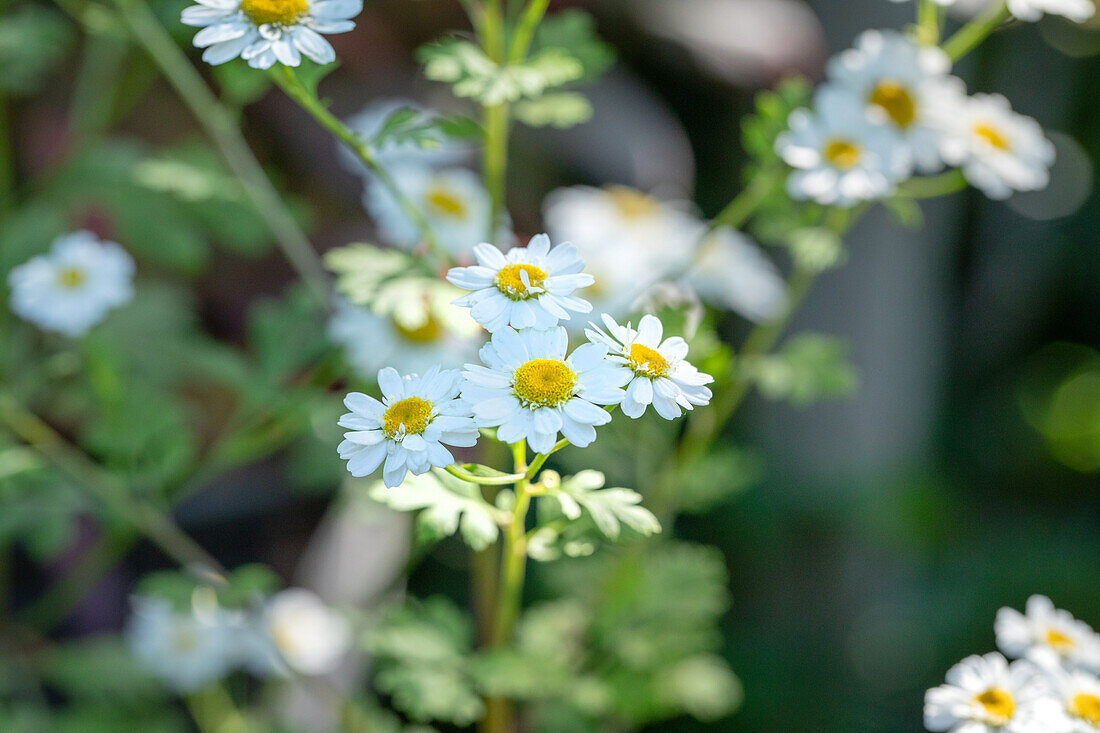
(992,136)
(544,382)
(510,281)
(444,203)
(1086,706)
(842,153)
(647,361)
(184,639)
(413,413)
(426,333)
(896,101)
(1059,641)
(998,704)
(71,277)
(276,12)
(632,204)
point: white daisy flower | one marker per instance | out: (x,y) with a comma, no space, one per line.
(998,150)
(408,428)
(185,650)
(898,83)
(71,288)
(412,323)
(732,273)
(265,31)
(453,200)
(1031,10)
(628,240)
(841,158)
(1047,636)
(531,390)
(296,631)
(989,695)
(657,370)
(398,153)
(527,287)
(1079,694)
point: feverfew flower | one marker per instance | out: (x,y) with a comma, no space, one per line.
(265,31)
(897,82)
(657,372)
(841,158)
(71,288)
(529,287)
(298,630)
(531,390)
(988,695)
(998,150)
(408,428)
(185,650)
(1076,10)
(453,200)
(732,273)
(1047,636)
(1079,695)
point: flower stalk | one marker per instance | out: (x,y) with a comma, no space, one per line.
(973,33)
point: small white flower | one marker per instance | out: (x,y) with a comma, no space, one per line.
(71,288)
(185,650)
(628,240)
(898,83)
(998,150)
(1031,10)
(731,272)
(529,287)
(988,695)
(408,428)
(303,633)
(1047,636)
(531,390)
(841,158)
(1079,695)
(265,31)
(657,371)
(393,154)
(453,200)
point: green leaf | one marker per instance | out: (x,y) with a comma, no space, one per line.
(561,110)
(720,474)
(99,669)
(810,367)
(240,84)
(575,31)
(33,41)
(474,75)
(446,505)
(609,508)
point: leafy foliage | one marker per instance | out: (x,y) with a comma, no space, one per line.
(474,75)
(810,367)
(446,504)
(33,40)
(608,508)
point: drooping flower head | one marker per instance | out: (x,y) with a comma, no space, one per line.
(185,650)
(527,287)
(71,288)
(657,370)
(529,389)
(409,427)
(1048,636)
(265,31)
(295,629)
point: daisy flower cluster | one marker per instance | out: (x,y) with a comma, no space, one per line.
(529,387)
(1050,687)
(890,109)
(1032,10)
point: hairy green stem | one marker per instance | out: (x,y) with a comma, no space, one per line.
(928,22)
(525,30)
(973,33)
(220,124)
(473,478)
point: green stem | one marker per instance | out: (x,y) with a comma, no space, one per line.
(540,459)
(222,127)
(525,30)
(7,158)
(473,478)
(94,93)
(495,164)
(928,187)
(928,22)
(973,33)
(214,711)
(745,204)
(288,81)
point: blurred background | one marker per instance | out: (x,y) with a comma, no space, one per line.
(883,531)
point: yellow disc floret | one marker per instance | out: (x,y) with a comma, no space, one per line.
(410,416)
(1086,706)
(647,361)
(896,101)
(444,203)
(999,705)
(544,383)
(843,153)
(992,135)
(274,12)
(1059,640)
(632,204)
(71,278)
(510,281)
(426,333)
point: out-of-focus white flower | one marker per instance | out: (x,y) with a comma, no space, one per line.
(265,31)
(528,287)
(988,695)
(393,153)
(998,150)
(74,285)
(656,371)
(1079,695)
(411,322)
(185,650)
(300,630)
(453,200)
(408,428)
(531,390)
(1047,636)
(841,158)
(629,240)
(1031,10)
(898,83)
(730,272)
